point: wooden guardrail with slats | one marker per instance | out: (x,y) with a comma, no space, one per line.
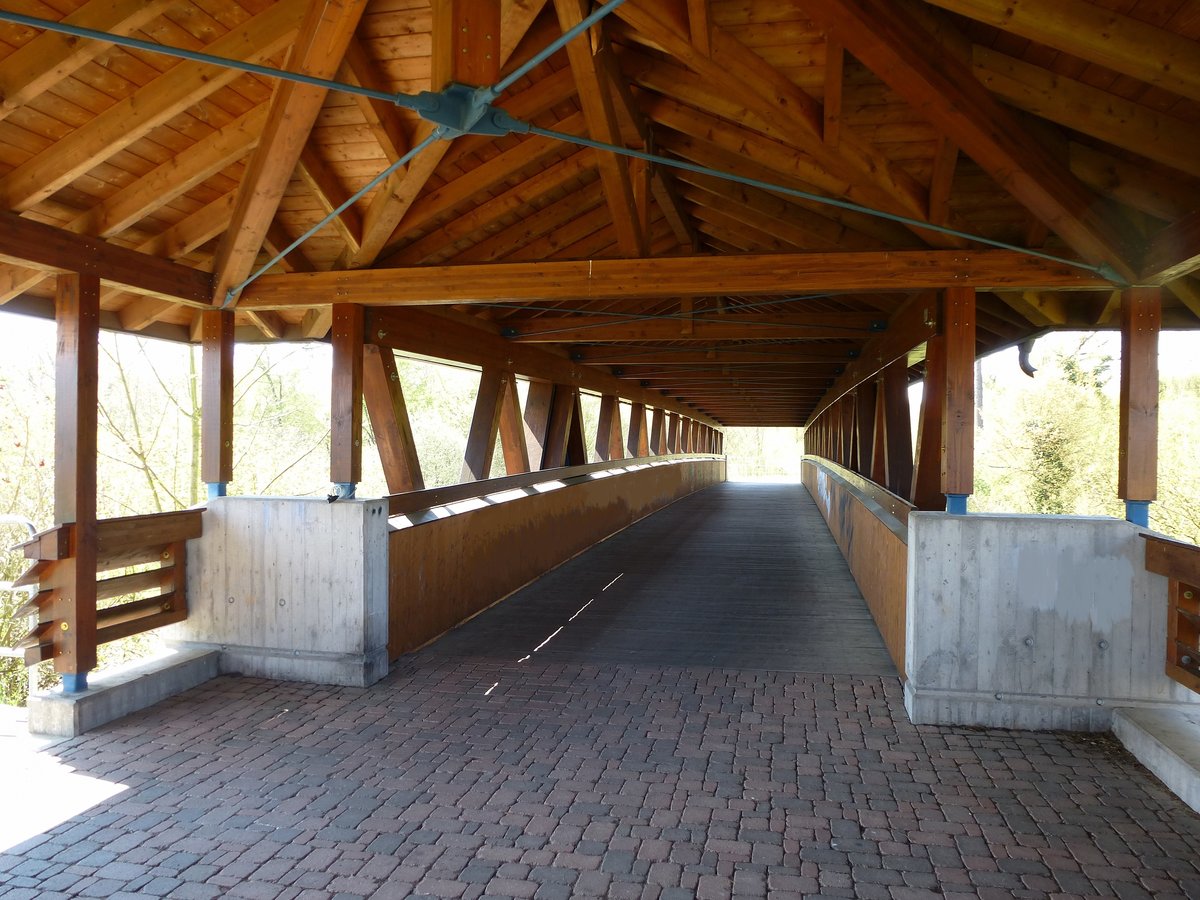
(1180,563)
(147,598)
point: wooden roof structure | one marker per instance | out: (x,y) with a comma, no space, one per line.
(1068,127)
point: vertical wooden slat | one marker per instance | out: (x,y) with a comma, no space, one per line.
(346,402)
(898,432)
(389,420)
(927,470)
(864,426)
(539,403)
(672,432)
(958,424)
(685,434)
(562,412)
(637,444)
(576,448)
(512,430)
(846,416)
(216,396)
(608,429)
(77,313)
(485,425)
(1137,460)
(658,434)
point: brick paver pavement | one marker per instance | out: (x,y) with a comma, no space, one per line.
(467,776)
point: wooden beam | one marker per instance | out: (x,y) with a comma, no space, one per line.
(1098,35)
(539,403)
(384,395)
(77,312)
(329,194)
(864,425)
(639,441)
(466,43)
(485,427)
(945,162)
(1089,110)
(1137,455)
(561,422)
(324,33)
(609,444)
(597,279)
(156,102)
(927,462)
(831,108)
(25,242)
(347,395)
(896,48)
(958,420)
(897,431)
(512,429)
(588,65)
(797,353)
(598,329)
(216,398)
(658,434)
(1174,251)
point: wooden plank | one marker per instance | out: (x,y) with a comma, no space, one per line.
(1137,454)
(608,443)
(658,433)
(36,66)
(29,243)
(484,428)
(1174,252)
(512,429)
(831,108)
(562,414)
(324,33)
(538,405)
(216,397)
(897,435)
(329,194)
(118,537)
(927,467)
(672,433)
(1096,34)
(77,313)
(120,585)
(896,48)
(384,396)
(1173,559)
(607,279)
(958,422)
(153,104)
(945,162)
(780,327)
(347,395)
(864,425)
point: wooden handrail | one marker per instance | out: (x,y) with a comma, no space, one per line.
(414,501)
(1179,562)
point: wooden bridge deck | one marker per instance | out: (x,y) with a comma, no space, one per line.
(739,576)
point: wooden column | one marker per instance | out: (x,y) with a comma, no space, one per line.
(562,422)
(846,426)
(216,400)
(638,445)
(512,431)
(485,426)
(77,313)
(685,434)
(958,423)
(864,426)
(389,420)
(672,433)
(927,469)
(1137,460)
(346,402)
(576,448)
(658,435)
(609,444)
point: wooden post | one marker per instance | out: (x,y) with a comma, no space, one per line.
(658,436)
(672,433)
(864,426)
(558,434)
(846,450)
(638,445)
(512,432)
(897,432)
(958,423)
(485,425)
(608,429)
(389,420)
(77,313)
(576,448)
(539,403)
(346,402)
(927,471)
(216,400)
(1137,460)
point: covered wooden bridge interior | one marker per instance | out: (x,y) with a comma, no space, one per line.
(711,213)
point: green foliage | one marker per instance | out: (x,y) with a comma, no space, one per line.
(764,453)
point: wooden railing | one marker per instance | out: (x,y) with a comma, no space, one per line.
(1180,563)
(140,583)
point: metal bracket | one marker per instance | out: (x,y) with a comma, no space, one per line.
(460,109)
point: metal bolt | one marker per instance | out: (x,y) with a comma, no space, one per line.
(166,607)
(166,554)
(65,627)
(1187,595)
(1185,660)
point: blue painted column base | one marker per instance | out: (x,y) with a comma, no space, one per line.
(216,489)
(956,504)
(344,490)
(74,683)
(1138,512)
